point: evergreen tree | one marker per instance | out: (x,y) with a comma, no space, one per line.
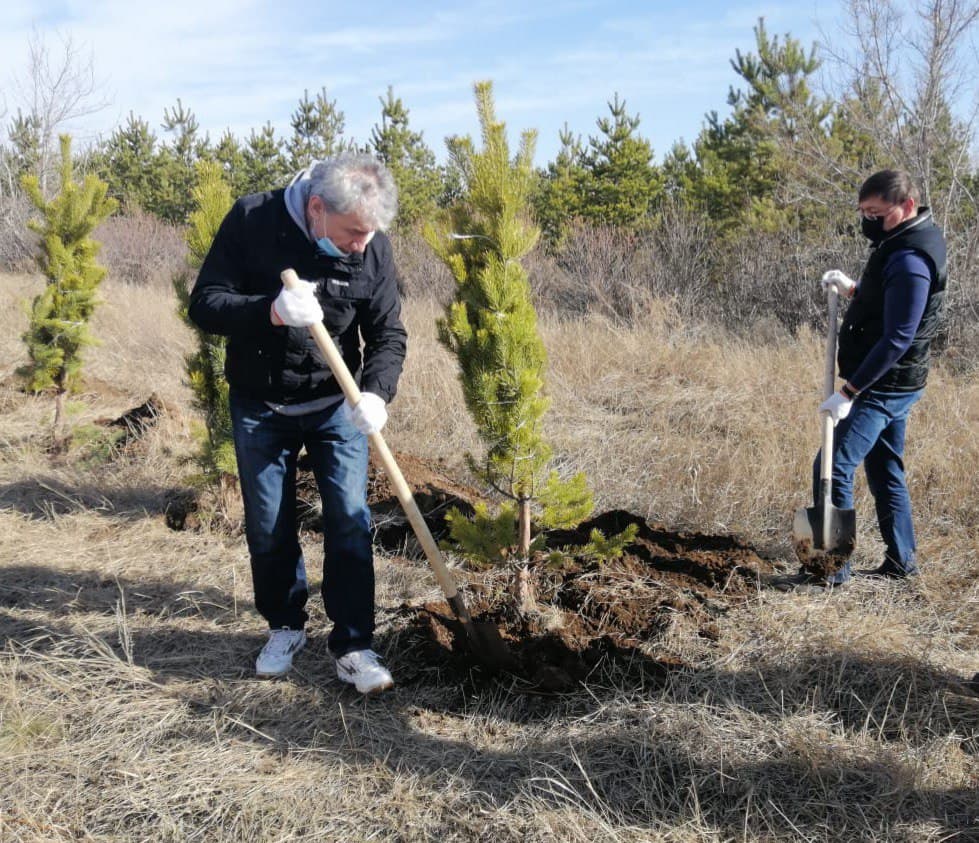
(623,185)
(317,126)
(212,200)
(60,314)
(230,155)
(492,329)
(768,154)
(560,197)
(409,159)
(177,163)
(129,164)
(265,166)
(24,133)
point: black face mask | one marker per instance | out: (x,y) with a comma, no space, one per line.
(873,230)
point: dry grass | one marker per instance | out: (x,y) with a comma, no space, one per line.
(128,710)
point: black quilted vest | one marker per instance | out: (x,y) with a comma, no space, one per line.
(863,324)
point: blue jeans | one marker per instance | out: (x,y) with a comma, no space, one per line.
(267,444)
(873,433)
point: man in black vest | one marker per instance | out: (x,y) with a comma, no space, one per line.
(884,355)
(327,225)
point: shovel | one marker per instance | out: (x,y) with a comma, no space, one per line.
(825,536)
(484,638)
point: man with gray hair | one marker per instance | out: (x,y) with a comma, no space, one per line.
(327,225)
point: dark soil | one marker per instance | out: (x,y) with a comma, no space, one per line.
(435,492)
(589,617)
(595,616)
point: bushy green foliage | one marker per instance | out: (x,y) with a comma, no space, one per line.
(485,538)
(611,181)
(603,549)
(60,314)
(410,161)
(317,127)
(491,326)
(205,367)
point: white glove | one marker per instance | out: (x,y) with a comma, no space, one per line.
(369,416)
(837,405)
(843,283)
(298,307)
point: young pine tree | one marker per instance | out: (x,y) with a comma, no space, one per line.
(60,314)
(409,159)
(491,326)
(212,200)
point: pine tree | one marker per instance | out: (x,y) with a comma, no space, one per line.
(229,154)
(317,126)
(212,200)
(177,163)
(623,185)
(59,318)
(129,164)
(772,146)
(492,329)
(560,197)
(265,166)
(24,133)
(409,159)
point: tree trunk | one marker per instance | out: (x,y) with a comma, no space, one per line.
(59,440)
(524,593)
(523,528)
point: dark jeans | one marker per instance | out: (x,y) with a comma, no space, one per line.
(267,444)
(873,433)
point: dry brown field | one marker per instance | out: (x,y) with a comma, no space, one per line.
(129,711)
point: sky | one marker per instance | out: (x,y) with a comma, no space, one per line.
(240,63)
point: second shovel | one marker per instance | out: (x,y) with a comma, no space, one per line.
(824,535)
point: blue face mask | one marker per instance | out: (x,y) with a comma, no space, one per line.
(328,247)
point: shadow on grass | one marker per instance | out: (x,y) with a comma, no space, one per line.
(609,750)
(60,592)
(42,498)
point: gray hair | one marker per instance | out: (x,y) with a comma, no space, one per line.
(356,182)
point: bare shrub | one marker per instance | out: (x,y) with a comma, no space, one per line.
(422,274)
(140,248)
(18,244)
(599,262)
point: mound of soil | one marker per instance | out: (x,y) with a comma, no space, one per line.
(434,491)
(589,613)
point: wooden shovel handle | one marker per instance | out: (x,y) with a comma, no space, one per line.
(352,393)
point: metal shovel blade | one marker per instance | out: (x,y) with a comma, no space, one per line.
(824,536)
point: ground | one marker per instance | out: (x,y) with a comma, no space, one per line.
(695,706)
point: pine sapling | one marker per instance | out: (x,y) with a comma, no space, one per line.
(59,316)
(491,327)
(212,200)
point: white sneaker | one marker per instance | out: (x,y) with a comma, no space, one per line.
(276,656)
(363,670)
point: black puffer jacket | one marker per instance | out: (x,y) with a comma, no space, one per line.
(240,278)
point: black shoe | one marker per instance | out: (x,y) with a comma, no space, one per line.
(886,571)
(803,583)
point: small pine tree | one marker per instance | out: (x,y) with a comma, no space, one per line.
(622,185)
(265,167)
(492,329)
(212,200)
(409,159)
(60,314)
(560,195)
(317,129)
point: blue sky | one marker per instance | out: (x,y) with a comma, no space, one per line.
(239,64)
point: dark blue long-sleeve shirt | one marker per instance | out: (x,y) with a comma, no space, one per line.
(907,280)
